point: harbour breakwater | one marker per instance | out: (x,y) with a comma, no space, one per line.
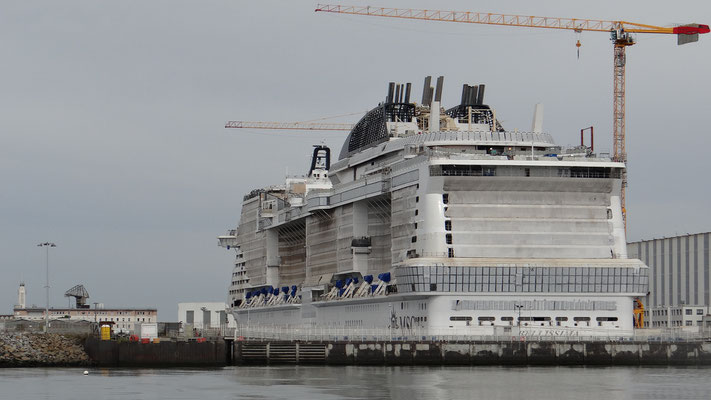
(473,353)
(34,349)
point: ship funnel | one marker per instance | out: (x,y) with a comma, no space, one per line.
(407,92)
(471,95)
(321,159)
(438,92)
(471,99)
(391,89)
(480,95)
(426,98)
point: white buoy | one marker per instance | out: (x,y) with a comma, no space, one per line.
(86,372)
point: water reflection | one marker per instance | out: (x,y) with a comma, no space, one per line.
(415,383)
(326,383)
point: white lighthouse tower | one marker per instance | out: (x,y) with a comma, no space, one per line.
(21,296)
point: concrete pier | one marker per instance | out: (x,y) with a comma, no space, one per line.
(513,352)
(163,354)
(473,353)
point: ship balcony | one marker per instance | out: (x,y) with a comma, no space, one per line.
(363,241)
(361,245)
(227,241)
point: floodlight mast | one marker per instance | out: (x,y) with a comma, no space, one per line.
(46,245)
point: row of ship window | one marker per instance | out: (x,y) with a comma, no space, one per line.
(533,288)
(688,311)
(534,319)
(525,321)
(100,312)
(531,272)
(357,323)
(521,276)
(660,324)
(129,320)
(490,170)
(522,279)
(375,307)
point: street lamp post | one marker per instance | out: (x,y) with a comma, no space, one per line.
(392,318)
(519,307)
(47,245)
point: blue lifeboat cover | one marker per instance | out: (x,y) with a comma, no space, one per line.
(368,278)
(339,284)
(285,289)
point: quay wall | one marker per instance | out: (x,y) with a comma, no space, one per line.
(165,353)
(473,353)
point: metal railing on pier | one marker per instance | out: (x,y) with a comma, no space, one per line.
(340,334)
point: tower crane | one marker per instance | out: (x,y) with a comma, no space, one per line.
(620,32)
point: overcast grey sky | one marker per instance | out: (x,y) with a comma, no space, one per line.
(111,121)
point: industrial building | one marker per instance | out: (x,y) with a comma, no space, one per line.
(205,315)
(124,319)
(679,279)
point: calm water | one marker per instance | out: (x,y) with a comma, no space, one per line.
(321,383)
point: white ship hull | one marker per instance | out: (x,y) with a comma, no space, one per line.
(451,315)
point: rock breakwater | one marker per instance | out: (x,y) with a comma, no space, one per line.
(32,349)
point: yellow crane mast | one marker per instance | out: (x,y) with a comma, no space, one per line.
(620,32)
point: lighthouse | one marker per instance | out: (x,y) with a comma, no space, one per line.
(21,296)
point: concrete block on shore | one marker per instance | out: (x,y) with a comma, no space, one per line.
(427,354)
(456,353)
(399,354)
(625,354)
(485,353)
(570,353)
(654,353)
(514,353)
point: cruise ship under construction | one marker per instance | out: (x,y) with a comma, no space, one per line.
(438,220)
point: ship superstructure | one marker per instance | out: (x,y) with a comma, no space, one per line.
(440,219)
